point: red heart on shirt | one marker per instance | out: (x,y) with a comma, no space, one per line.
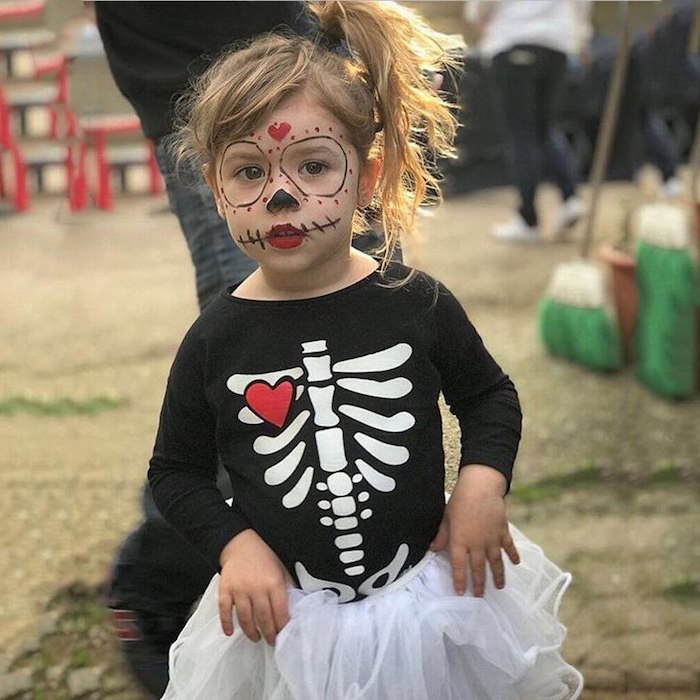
(278,132)
(271,403)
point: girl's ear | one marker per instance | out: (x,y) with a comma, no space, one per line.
(368,181)
(209,174)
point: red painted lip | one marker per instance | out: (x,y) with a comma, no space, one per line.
(285,236)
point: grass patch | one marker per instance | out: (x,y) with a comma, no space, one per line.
(81,606)
(530,493)
(81,658)
(686,589)
(668,476)
(593,475)
(552,486)
(60,407)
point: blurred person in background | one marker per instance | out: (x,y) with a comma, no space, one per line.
(669,76)
(528,44)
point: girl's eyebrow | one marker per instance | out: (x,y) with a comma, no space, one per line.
(318,149)
(241,150)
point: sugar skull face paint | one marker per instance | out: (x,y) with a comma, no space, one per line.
(291,184)
(314,166)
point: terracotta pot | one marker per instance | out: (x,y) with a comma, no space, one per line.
(625,293)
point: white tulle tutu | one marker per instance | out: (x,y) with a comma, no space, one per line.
(414,640)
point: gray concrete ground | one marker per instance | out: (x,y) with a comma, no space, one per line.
(93,307)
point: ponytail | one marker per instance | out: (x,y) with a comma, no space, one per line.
(415,125)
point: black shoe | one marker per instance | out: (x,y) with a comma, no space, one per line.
(145,640)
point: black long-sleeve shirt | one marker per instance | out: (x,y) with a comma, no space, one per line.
(154,49)
(325,414)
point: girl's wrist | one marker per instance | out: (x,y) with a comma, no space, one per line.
(229,546)
(483,477)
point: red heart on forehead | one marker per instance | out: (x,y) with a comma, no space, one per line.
(279,132)
(271,403)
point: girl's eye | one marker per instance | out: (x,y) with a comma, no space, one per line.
(251,172)
(314,167)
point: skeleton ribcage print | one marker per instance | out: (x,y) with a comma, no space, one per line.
(320,470)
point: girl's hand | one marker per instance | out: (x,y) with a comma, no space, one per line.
(474,529)
(254,581)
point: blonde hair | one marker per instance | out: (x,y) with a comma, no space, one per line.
(377,86)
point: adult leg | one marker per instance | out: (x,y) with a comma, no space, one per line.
(514,75)
(659,142)
(560,160)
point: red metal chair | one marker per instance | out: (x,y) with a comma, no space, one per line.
(23,168)
(21,9)
(109,158)
(53,95)
(23,164)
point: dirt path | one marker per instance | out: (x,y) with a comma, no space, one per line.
(93,307)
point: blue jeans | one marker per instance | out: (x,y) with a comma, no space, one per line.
(529,84)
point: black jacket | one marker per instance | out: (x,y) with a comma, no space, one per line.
(155,48)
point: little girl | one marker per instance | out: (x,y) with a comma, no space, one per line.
(343,575)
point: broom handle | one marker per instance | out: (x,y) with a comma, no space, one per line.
(606,132)
(694,36)
(694,47)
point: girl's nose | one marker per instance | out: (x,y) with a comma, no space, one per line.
(282,200)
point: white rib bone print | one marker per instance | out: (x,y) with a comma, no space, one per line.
(345,499)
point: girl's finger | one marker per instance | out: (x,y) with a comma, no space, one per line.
(279,603)
(477,562)
(510,549)
(497,569)
(458,561)
(264,619)
(226,613)
(244,612)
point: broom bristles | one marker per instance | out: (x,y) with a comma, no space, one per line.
(579,284)
(663,225)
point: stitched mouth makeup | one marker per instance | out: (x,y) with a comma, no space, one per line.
(285,236)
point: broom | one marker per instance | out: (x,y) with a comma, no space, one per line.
(668,329)
(574,319)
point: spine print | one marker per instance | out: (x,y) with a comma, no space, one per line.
(343,489)
(343,507)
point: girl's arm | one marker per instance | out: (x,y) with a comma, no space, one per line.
(182,472)
(484,400)
(474,529)
(182,476)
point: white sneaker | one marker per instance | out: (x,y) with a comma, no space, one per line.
(516,230)
(673,187)
(571,210)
